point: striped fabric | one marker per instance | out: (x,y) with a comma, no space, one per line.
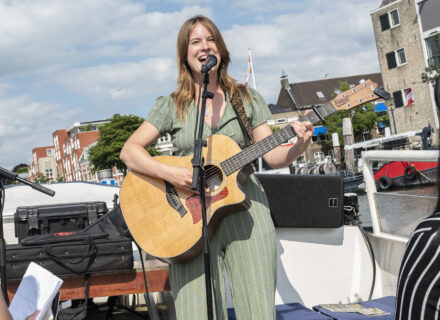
(244,243)
(418,288)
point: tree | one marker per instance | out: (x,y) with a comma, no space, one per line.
(274,129)
(362,117)
(87,127)
(20,168)
(41,178)
(112,136)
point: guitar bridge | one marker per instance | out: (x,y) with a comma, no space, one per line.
(173,199)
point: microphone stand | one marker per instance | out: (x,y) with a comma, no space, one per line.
(199,180)
(9,175)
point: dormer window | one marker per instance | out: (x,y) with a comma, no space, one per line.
(320,95)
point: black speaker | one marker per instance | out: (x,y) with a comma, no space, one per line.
(304,201)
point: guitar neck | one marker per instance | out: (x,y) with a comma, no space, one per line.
(260,148)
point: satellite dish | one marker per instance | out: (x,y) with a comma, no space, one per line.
(361,81)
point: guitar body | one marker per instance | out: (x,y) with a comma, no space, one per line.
(167,222)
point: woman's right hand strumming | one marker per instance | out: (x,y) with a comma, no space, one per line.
(180,177)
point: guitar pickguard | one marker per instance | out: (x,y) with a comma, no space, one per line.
(195,208)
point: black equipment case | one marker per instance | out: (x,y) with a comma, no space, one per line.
(49,219)
(91,254)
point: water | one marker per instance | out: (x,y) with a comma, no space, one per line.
(400,211)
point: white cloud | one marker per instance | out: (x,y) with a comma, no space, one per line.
(26,124)
(117,56)
(47,35)
(334,37)
(123,80)
(5,86)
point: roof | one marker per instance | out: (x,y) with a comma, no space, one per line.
(275,109)
(386,2)
(307,93)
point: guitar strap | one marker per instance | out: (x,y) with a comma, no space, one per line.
(243,120)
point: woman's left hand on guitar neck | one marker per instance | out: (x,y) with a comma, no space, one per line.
(281,156)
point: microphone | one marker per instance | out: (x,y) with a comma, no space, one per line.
(211,61)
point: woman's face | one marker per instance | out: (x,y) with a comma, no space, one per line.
(201,44)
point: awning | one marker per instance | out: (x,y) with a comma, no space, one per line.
(381,125)
(317,131)
(379,107)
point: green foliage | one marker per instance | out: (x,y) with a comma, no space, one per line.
(60,179)
(87,127)
(112,136)
(362,117)
(41,178)
(274,128)
(20,168)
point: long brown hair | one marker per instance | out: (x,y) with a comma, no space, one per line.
(186,90)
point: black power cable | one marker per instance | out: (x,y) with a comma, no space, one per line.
(373,260)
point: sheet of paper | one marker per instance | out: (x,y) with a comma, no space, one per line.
(36,291)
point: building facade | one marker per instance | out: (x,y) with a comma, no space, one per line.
(307,94)
(43,163)
(405,31)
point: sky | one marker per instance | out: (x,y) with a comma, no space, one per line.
(64,61)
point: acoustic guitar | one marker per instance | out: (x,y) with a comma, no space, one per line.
(167,222)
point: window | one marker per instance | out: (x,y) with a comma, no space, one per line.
(49,173)
(394,18)
(400,97)
(389,20)
(49,152)
(391,60)
(401,56)
(433,50)
(320,95)
(380,127)
(384,22)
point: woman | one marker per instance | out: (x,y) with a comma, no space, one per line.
(245,241)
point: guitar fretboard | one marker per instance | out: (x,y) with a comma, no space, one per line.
(258,149)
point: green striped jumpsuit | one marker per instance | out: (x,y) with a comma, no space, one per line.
(245,241)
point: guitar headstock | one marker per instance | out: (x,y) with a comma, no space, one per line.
(362,93)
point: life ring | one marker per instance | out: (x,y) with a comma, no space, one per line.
(410,172)
(385,182)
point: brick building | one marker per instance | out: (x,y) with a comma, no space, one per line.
(404,31)
(43,162)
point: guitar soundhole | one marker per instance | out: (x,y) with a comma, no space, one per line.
(213,178)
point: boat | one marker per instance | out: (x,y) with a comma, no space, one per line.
(404,174)
(351,263)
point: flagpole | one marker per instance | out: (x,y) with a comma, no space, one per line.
(252,68)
